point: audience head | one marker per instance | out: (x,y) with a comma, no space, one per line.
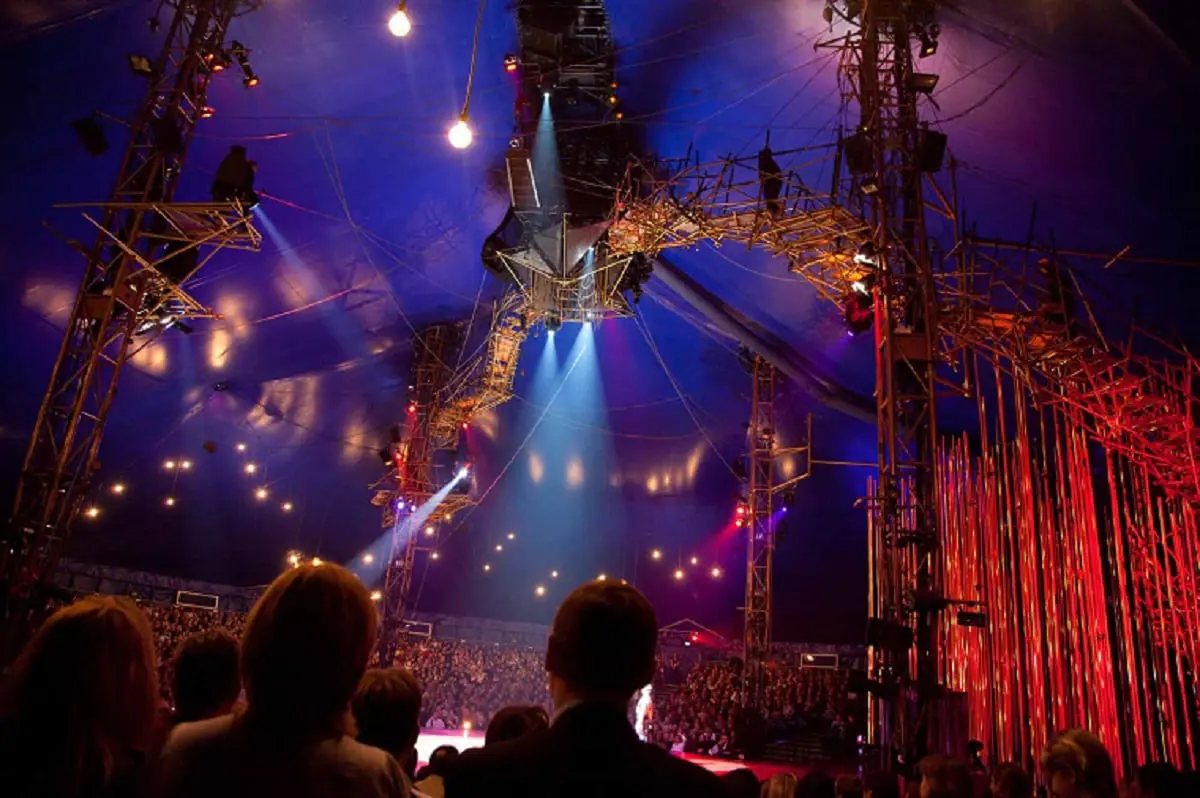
(387,710)
(79,707)
(514,722)
(741,783)
(848,787)
(1011,781)
(207,679)
(943,777)
(881,784)
(781,785)
(439,758)
(305,650)
(1157,780)
(602,644)
(816,784)
(1077,765)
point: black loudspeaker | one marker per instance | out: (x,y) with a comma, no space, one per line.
(750,733)
(857,150)
(931,150)
(91,135)
(888,635)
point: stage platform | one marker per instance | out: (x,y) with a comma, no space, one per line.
(462,740)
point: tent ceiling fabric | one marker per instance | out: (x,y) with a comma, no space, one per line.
(373,227)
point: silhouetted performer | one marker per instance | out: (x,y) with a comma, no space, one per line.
(235,179)
(771,177)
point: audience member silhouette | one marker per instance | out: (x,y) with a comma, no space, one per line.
(514,722)
(77,717)
(1011,781)
(942,777)
(304,653)
(387,710)
(600,652)
(816,784)
(781,785)
(206,677)
(742,783)
(1077,765)
(881,784)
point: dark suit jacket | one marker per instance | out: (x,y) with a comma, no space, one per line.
(588,751)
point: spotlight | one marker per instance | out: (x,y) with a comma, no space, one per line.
(399,24)
(612,99)
(499,547)
(867,255)
(169,501)
(554,574)
(739,523)
(207,112)
(924,82)
(368,558)
(601,578)
(678,574)
(511,62)
(250,468)
(169,465)
(241,447)
(447,516)
(92,512)
(376,595)
(512,535)
(656,554)
(465,426)
(460,134)
(250,81)
(412,408)
(118,488)
(317,561)
(141,66)
(514,143)
(464,472)
(716,573)
(695,561)
(286,507)
(242,56)
(487,567)
(428,531)
(293,558)
(433,555)
(539,591)
(260,494)
(928,46)
(185,464)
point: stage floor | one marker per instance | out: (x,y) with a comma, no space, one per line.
(462,740)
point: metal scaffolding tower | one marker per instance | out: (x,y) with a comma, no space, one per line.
(147,247)
(761,521)
(413,474)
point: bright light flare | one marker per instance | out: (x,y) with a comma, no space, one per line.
(368,558)
(261,494)
(463,473)
(678,574)
(399,25)
(716,573)
(185,464)
(376,595)
(92,512)
(118,488)
(499,547)
(512,535)
(539,591)
(286,507)
(435,555)
(601,578)
(429,531)
(169,465)
(487,567)
(317,561)
(656,554)
(695,561)
(460,135)
(169,501)
(251,468)
(241,447)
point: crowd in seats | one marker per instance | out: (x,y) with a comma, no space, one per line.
(80,714)
(466,683)
(698,715)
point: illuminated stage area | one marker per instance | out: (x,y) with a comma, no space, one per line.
(859,323)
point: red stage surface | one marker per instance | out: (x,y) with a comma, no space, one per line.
(462,740)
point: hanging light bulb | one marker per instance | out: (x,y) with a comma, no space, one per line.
(460,134)
(118,488)
(260,494)
(169,501)
(399,24)
(92,512)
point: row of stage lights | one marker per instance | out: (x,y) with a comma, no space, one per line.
(184,465)
(460,134)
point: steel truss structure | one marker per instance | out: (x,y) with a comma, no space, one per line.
(761,488)
(1072,524)
(411,483)
(147,247)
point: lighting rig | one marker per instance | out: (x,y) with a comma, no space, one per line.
(552,244)
(147,247)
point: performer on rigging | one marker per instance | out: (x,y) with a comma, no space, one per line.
(771,177)
(235,179)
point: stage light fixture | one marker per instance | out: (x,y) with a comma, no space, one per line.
(512,535)
(464,472)
(399,25)
(554,574)
(539,591)
(716,573)
(207,112)
(678,574)
(511,62)
(141,66)
(169,501)
(412,408)
(368,558)
(928,46)
(656,554)
(261,494)
(241,447)
(487,567)
(499,547)
(250,468)
(695,561)
(376,595)
(924,82)
(185,464)
(317,561)
(460,135)
(434,555)
(92,512)
(286,507)
(429,531)
(601,578)
(293,558)
(169,465)
(118,488)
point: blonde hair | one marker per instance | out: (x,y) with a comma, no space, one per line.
(305,650)
(81,703)
(1081,756)
(781,785)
